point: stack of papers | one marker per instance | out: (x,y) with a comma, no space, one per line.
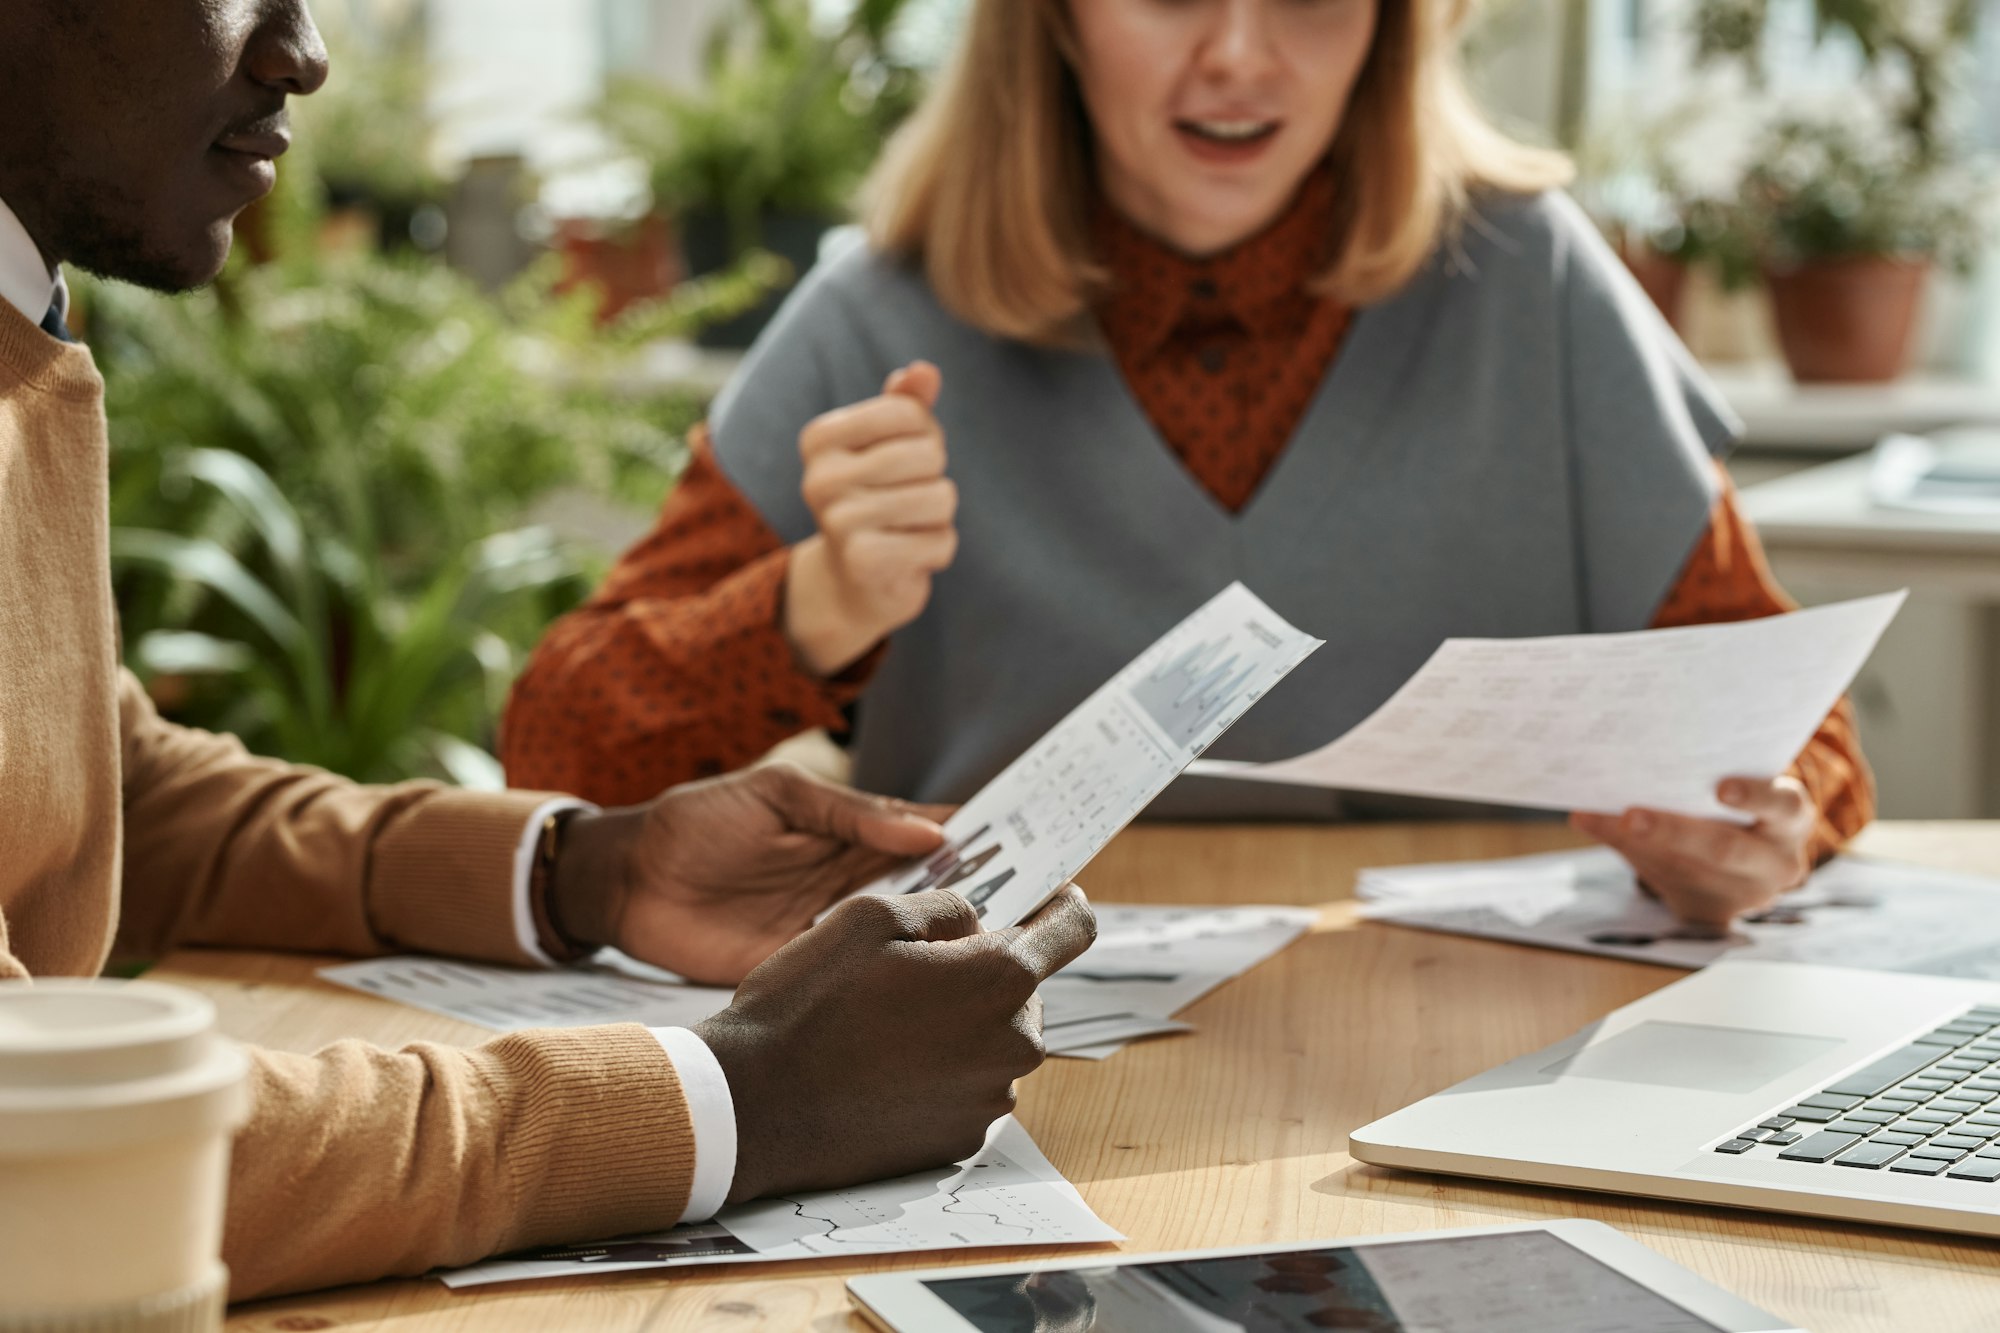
(1851,913)
(1006,1194)
(1601,722)
(1148,964)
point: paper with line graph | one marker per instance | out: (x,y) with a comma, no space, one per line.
(1030,830)
(1005,1194)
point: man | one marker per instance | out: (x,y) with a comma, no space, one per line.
(884,1040)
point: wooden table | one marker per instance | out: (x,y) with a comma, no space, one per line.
(1236,1133)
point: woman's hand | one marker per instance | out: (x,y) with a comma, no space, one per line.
(875,482)
(1710,872)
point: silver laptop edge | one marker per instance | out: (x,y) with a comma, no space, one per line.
(1637,1102)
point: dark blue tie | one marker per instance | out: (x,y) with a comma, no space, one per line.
(52,324)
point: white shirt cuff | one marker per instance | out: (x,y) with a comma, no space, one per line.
(524,874)
(712,1112)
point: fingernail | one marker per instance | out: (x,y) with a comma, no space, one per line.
(1639,822)
(1732,792)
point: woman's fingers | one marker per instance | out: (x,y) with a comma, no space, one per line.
(898,462)
(1779,804)
(1706,870)
(866,423)
(919,380)
(915,508)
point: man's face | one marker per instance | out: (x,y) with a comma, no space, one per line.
(132,132)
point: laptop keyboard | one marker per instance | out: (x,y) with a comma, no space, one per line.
(1930,1108)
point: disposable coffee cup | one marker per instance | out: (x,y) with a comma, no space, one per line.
(117,1103)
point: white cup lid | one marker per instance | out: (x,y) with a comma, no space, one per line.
(97,1049)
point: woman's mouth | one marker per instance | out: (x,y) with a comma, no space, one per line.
(1226,140)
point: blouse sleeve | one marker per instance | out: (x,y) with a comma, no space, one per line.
(679,667)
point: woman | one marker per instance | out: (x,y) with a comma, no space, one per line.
(1197,290)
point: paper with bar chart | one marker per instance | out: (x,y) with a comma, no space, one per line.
(1030,830)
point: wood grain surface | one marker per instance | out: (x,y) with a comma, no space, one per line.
(1237,1132)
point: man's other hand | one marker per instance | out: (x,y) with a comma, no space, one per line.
(711,877)
(886,1039)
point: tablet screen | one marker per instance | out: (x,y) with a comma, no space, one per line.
(1516,1282)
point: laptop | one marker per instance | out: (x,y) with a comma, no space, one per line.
(1866,1096)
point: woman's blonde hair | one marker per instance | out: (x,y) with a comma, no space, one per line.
(989,185)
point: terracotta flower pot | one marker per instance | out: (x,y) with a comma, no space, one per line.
(1849,320)
(627,265)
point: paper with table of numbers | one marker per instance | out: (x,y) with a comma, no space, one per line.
(1601,722)
(1030,830)
(1005,1194)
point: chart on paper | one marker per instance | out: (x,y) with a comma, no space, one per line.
(510,1000)
(1030,830)
(1005,1194)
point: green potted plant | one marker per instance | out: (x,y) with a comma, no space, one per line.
(1849,229)
(768,154)
(1847,211)
(325,471)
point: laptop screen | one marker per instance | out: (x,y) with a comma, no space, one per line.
(1516,1282)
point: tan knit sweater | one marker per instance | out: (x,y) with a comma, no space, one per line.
(120,833)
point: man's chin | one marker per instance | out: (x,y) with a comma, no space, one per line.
(161,263)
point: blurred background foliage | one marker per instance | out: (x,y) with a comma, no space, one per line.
(322,470)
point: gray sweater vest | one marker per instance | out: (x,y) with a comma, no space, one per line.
(1512,445)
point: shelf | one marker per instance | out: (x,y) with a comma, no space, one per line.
(1780,414)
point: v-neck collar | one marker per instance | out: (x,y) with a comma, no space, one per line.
(1340,427)
(1261,283)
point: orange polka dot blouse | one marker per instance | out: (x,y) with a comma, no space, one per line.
(678,667)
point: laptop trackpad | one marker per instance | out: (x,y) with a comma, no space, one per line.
(1687,1055)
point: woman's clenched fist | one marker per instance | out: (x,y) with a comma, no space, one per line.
(875,482)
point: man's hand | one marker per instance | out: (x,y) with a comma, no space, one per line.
(711,877)
(886,1039)
(1710,872)
(875,482)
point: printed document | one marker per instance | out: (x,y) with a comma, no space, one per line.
(1030,830)
(1005,1194)
(1601,722)
(1151,962)
(1851,913)
(1148,963)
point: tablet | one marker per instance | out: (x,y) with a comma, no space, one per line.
(1553,1277)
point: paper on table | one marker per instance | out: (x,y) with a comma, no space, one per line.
(1153,961)
(1085,1022)
(1148,962)
(1006,1194)
(1601,722)
(613,990)
(1851,913)
(1030,830)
